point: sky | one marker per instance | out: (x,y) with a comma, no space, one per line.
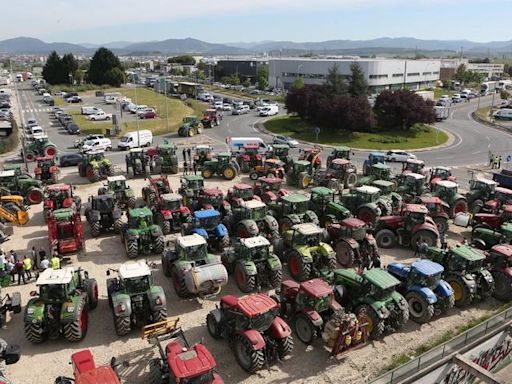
(224,21)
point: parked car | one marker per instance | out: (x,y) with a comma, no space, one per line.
(399,156)
(74,99)
(73,129)
(456,98)
(80,141)
(226,107)
(150,114)
(241,110)
(278,139)
(101,144)
(100,116)
(70,159)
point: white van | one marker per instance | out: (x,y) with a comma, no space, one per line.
(110,99)
(90,110)
(131,139)
(103,144)
(236,144)
(503,114)
(269,110)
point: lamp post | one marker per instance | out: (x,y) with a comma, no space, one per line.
(22,121)
(137,114)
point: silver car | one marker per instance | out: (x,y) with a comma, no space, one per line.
(278,139)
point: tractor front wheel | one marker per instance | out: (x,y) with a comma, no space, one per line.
(166,265)
(502,286)
(246,283)
(118,226)
(159,315)
(77,329)
(95,228)
(275,278)
(213,327)
(223,243)
(34,195)
(304,328)
(420,309)
(155,372)
(461,292)
(350,180)
(376,325)
(299,269)
(30,156)
(284,346)
(130,203)
(130,172)
(158,244)
(229,172)
(344,254)
(424,235)
(386,238)
(91,286)
(132,248)
(304,180)
(35,333)
(166,226)
(254,176)
(249,359)
(122,324)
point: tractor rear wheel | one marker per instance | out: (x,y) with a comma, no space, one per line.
(402,316)
(299,269)
(118,226)
(304,180)
(35,333)
(30,156)
(249,359)
(275,277)
(166,226)
(245,283)
(376,325)
(448,302)
(254,176)
(95,175)
(191,132)
(424,235)
(132,248)
(284,346)
(179,284)
(130,172)
(366,214)
(229,173)
(386,238)
(123,325)
(77,329)
(502,286)
(34,195)
(95,228)
(344,254)
(155,372)
(420,309)
(91,287)
(223,243)
(461,291)
(159,315)
(213,327)
(158,244)
(460,205)
(304,328)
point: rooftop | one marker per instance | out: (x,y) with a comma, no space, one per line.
(316,288)
(191,240)
(136,150)
(416,176)
(55,276)
(368,189)
(58,187)
(116,178)
(254,204)
(295,198)
(427,267)
(172,197)
(307,229)
(416,208)
(8,173)
(447,184)
(340,161)
(132,269)
(253,242)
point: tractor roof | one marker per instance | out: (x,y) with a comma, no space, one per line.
(188,362)
(101,374)
(430,200)
(143,212)
(416,208)
(307,229)
(467,252)
(416,161)
(302,162)
(212,191)
(116,178)
(487,181)
(191,240)
(381,166)
(447,184)
(8,173)
(341,148)
(58,187)
(353,222)
(295,198)
(194,178)
(206,214)
(172,197)
(136,150)
(254,204)
(322,191)
(442,168)
(63,214)
(55,276)
(256,304)
(253,242)
(368,189)
(416,176)
(427,267)
(132,269)
(503,190)
(503,249)
(381,278)
(340,161)
(316,288)
(382,183)
(242,186)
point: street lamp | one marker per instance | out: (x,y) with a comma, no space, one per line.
(298,69)
(22,121)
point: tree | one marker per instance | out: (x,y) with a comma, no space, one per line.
(298,83)
(183,59)
(335,84)
(70,65)
(53,70)
(357,86)
(460,73)
(102,68)
(262,77)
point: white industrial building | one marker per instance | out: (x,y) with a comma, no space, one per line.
(380,74)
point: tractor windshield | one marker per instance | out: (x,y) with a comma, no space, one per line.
(381,294)
(319,304)
(141,222)
(358,233)
(195,184)
(209,223)
(368,197)
(416,217)
(259,253)
(300,207)
(65,230)
(171,205)
(262,322)
(215,200)
(205,378)
(137,284)
(52,292)
(258,213)
(196,252)
(504,198)
(104,205)
(244,193)
(311,240)
(442,173)
(270,186)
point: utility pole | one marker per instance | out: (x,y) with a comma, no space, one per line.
(137,114)
(22,120)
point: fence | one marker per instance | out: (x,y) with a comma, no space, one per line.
(436,354)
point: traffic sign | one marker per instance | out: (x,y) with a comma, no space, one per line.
(317,130)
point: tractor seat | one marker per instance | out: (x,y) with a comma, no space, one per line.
(229,301)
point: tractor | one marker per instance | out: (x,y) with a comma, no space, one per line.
(57,196)
(322,203)
(352,243)
(388,197)
(207,223)
(252,326)
(299,174)
(103,215)
(41,146)
(13,210)
(307,256)
(340,174)
(499,263)
(46,169)
(239,193)
(414,166)
(191,126)
(122,193)
(436,210)
(134,298)
(222,165)
(281,152)
(95,166)
(170,214)
(293,209)
(411,186)
(140,235)
(269,190)
(340,152)
(488,220)
(61,307)
(411,226)
(65,231)
(464,271)
(200,363)
(373,158)
(12,184)
(422,286)
(138,163)
(440,173)
(312,156)
(250,219)
(484,237)
(375,172)
(447,191)
(496,203)
(190,187)
(372,292)
(85,370)
(363,203)
(209,198)
(314,312)
(480,191)
(194,271)
(158,186)
(164,157)
(250,158)
(270,168)
(202,153)
(253,264)
(211,118)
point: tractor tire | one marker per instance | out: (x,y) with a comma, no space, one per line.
(420,310)
(350,180)
(95,228)
(245,167)
(366,214)
(158,244)
(130,173)
(81,171)
(460,205)
(166,265)
(223,243)
(441,223)
(213,327)
(50,150)
(157,169)
(174,169)
(285,224)
(229,173)
(279,248)
(344,254)
(147,171)
(304,329)
(76,330)
(159,315)
(91,287)
(34,196)
(155,372)
(461,293)
(333,184)
(284,346)
(304,180)
(477,206)
(429,237)
(95,175)
(401,318)
(191,132)
(132,249)
(248,359)
(502,286)
(448,303)
(122,325)
(131,202)
(254,176)
(207,173)
(118,226)
(30,156)
(275,277)
(35,333)
(166,226)
(244,282)
(386,239)
(179,284)
(299,270)
(376,326)
(110,170)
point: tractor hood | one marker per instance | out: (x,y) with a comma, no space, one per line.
(189,362)
(104,374)
(381,278)
(392,221)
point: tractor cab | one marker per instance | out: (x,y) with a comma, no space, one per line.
(256,311)
(86,371)
(102,203)
(171,201)
(202,153)
(241,191)
(445,189)
(117,184)
(340,167)
(485,186)
(314,294)
(464,258)
(500,256)
(207,219)
(211,197)
(426,273)
(256,248)
(386,187)
(412,184)
(251,155)
(354,228)
(57,285)
(503,195)
(441,173)
(136,154)
(322,195)
(141,218)
(366,194)
(304,234)
(44,165)
(433,204)
(274,165)
(414,214)
(373,158)
(167,148)
(7,177)
(59,193)
(95,155)
(223,158)
(193,183)
(311,155)
(265,184)
(380,170)
(300,166)
(414,166)
(192,247)
(340,152)
(135,277)
(294,204)
(280,151)
(253,210)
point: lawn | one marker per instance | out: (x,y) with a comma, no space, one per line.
(417,137)
(483,113)
(438,92)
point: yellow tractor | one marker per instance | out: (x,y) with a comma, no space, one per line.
(12,210)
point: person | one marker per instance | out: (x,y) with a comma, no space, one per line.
(34,257)
(442,239)
(2,261)
(490,158)
(45,263)
(195,168)
(376,260)
(55,261)
(416,249)
(499,161)
(423,249)
(14,255)
(464,241)
(184,154)
(9,267)
(185,168)
(27,266)
(189,151)
(20,271)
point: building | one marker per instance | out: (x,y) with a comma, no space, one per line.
(490,70)
(245,69)
(380,74)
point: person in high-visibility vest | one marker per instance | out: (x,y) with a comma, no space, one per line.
(55,262)
(27,266)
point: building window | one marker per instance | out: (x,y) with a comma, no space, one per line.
(435,73)
(398,75)
(413,74)
(378,76)
(426,73)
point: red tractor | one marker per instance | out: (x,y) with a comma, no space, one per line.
(212,198)
(502,196)
(65,231)
(414,166)
(254,329)
(441,173)
(85,371)
(436,210)
(157,186)
(46,169)
(186,364)
(170,213)
(491,220)
(249,158)
(269,190)
(499,263)
(240,193)
(211,118)
(58,196)
(312,155)
(407,229)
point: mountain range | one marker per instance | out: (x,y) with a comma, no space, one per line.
(189,45)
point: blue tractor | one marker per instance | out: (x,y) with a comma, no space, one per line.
(373,158)
(421,285)
(207,223)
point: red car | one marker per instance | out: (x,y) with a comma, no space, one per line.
(148,115)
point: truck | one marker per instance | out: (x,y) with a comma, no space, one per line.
(488,87)
(504,178)
(442,113)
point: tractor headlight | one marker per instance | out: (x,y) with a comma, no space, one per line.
(70,309)
(30,311)
(120,308)
(158,300)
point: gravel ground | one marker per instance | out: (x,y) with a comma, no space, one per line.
(305,365)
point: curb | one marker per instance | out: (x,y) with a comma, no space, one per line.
(479,120)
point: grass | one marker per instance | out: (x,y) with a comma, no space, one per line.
(7,144)
(483,113)
(417,137)
(438,92)
(233,93)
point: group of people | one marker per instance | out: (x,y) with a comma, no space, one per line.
(494,161)
(33,261)
(189,166)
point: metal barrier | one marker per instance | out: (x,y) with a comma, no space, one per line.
(437,353)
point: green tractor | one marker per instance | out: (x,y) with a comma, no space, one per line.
(388,196)
(484,237)
(373,292)
(190,187)
(21,185)
(165,157)
(464,271)
(61,307)
(322,203)
(138,163)
(378,171)
(140,235)
(447,191)
(190,126)
(293,209)
(41,146)
(299,174)
(340,152)
(95,166)
(307,256)
(363,203)
(221,165)
(411,185)
(480,191)
(121,192)
(253,264)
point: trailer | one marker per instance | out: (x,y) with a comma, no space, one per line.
(442,113)
(189,89)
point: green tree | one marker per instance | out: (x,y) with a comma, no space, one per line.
(183,59)
(70,65)
(357,86)
(298,83)
(115,77)
(262,77)
(335,85)
(460,74)
(53,70)
(102,68)
(246,83)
